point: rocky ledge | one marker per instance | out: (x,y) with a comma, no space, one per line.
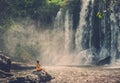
(24,77)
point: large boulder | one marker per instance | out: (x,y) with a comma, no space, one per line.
(24,79)
(35,77)
(43,77)
(104,61)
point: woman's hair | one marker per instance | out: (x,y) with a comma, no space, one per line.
(37,61)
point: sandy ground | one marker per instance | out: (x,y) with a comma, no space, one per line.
(84,74)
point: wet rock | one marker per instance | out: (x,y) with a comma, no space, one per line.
(104,61)
(5,74)
(5,62)
(34,77)
(43,77)
(24,79)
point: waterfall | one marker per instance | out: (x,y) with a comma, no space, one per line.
(96,40)
(83,34)
(114,34)
(64,23)
(68,32)
(104,32)
(82,23)
(92,40)
(59,21)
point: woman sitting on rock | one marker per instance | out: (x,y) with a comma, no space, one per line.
(39,68)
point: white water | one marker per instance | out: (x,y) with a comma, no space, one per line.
(68,32)
(59,21)
(82,56)
(82,23)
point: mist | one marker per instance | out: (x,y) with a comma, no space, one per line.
(68,39)
(24,42)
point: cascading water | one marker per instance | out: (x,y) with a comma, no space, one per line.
(104,31)
(115,33)
(83,33)
(96,39)
(68,32)
(108,32)
(79,37)
(59,21)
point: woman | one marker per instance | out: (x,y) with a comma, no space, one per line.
(42,73)
(39,68)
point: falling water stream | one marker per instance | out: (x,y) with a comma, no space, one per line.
(81,25)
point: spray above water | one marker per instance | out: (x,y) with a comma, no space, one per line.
(25,43)
(52,46)
(60,44)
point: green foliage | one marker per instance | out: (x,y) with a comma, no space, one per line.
(58,2)
(100,15)
(21,53)
(70,4)
(5,25)
(105,1)
(34,9)
(24,53)
(44,10)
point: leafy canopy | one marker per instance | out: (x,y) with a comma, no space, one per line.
(58,2)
